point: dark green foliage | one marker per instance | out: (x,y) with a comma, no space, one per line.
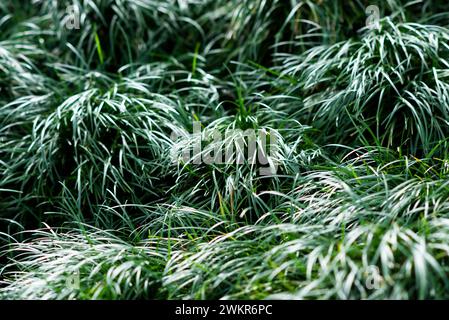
(93,185)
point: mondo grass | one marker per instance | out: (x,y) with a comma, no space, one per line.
(126,130)
(388,88)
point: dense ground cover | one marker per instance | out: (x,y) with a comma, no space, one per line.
(98,201)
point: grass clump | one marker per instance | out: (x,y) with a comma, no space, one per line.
(388,88)
(103,197)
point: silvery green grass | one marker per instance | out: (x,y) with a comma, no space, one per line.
(98,201)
